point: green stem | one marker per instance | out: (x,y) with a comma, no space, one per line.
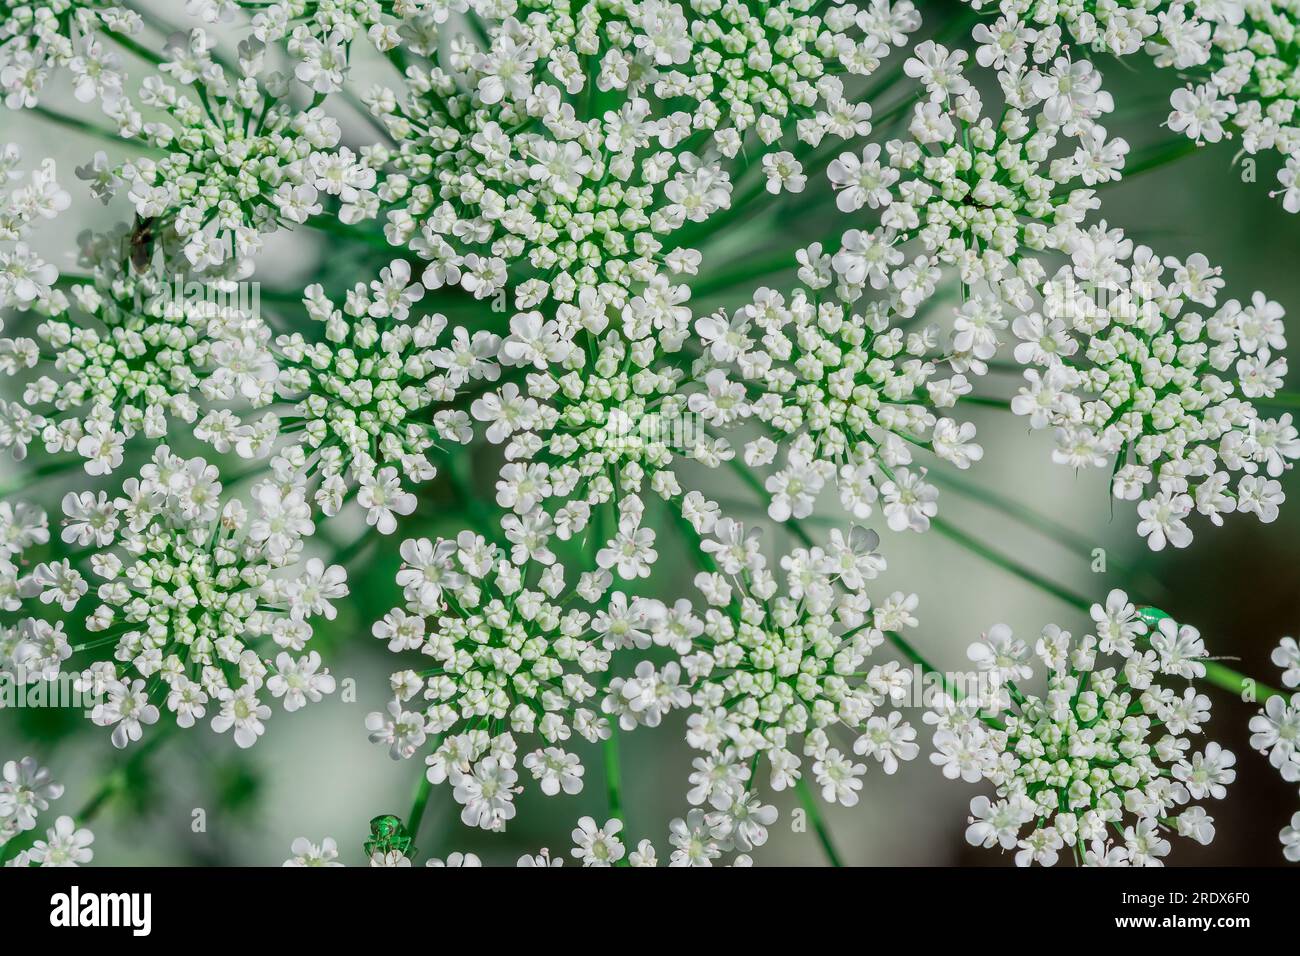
(88,128)
(334,227)
(989,400)
(143,52)
(423,790)
(1283,399)
(1029,575)
(912,654)
(1157,156)
(1237,683)
(26,478)
(819,825)
(613,776)
(110,785)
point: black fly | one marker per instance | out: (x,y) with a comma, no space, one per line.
(142,237)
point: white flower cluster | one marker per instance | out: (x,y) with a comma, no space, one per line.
(507,660)
(374,397)
(697,840)
(239,160)
(533,224)
(41,37)
(516,162)
(1239,57)
(1275,732)
(190,591)
(1119,365)
(26,791)
(1101,762)
(318,34)
(1133,371)
(847,392)
(779,673)
(977,194)
(24,276)
(134,354)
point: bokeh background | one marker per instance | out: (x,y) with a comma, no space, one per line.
(315,774)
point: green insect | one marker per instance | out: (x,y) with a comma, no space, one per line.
(388,833)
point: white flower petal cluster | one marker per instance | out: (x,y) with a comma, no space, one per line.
(781,673)
(191,595)
(25,277)
(1275,732)
(515,163)
(698,839)
(1100,763)
(1238,60)
(845,393)
(131,353)
(1137,368)
(975,193)
(238,159)
(26,791)
(373,398)
(42,38)
(509,660)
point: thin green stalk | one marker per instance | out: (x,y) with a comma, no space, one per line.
(1282,399)
(1029,575)
(819,825)
(143,52)
(334,227)
(26,479)
(87,127)
(1157,156)
(912,654)
(1238,683)
(420,803)
(745,273)
(613,776)
(110,785)
(116,778)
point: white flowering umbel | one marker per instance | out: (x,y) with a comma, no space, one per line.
(1102,761)
(373,399)
(39,38)
(507,660)
(24,276)
(1275,732)
(1239,58)
(781,673)
(238,161)
(129,354)
(26,791)
(30,648)
(191,594)
(975,193)
(848,394)
(510,185)
(1137,368)
(319,34)
(564,149)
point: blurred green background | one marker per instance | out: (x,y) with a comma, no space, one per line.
(315,774)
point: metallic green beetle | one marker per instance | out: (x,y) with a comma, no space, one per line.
(388,833)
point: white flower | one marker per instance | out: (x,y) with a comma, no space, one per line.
(306,853)
(597,845)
